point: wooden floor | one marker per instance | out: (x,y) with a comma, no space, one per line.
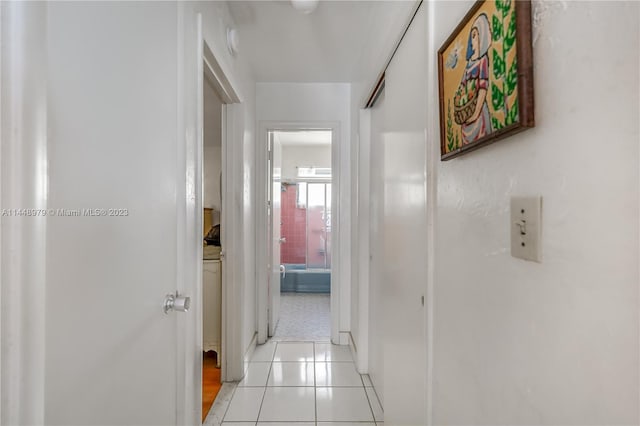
(210,382)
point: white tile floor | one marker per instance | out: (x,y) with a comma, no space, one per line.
(303,383)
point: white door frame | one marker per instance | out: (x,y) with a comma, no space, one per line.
(206,66)
(23,147)
(262,222)
(232,132)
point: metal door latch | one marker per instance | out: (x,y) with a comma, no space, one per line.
(175,302)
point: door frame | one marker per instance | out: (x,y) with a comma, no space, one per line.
(23,147)
(262,221)
(205,65)
(229,226)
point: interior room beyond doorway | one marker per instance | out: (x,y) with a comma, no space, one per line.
(305,183)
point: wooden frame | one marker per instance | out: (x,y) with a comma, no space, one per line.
(494,95)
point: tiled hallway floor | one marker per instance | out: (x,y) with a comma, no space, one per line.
(303,383)
(304,316)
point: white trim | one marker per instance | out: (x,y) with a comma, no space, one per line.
(230,226)
(216,76)
(186,326)
(196,61)
(262,176)
(230,230)
(24,177)
(2,205)
(363,240)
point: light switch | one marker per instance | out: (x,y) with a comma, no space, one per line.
(526,228)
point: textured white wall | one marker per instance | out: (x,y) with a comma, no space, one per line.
(553,343)
(515,342)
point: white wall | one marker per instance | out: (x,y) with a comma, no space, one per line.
(553,343)
(212,155)
(212,169)
(319,102)
(515,342)
(294,156)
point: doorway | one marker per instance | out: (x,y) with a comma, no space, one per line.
(217,119)
(212,247)
(300,217)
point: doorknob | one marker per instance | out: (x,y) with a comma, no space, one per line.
(283,271)
(175,302)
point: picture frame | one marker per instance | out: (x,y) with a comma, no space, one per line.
(485,77)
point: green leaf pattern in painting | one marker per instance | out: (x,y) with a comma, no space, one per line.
(510,36)
(449,128)
(505,75)
(513,114)
(512,78)
(496,28)
(497,97)
(453,143)
(498,64)
(496,124)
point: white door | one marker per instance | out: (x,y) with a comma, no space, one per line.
(275,157)
(405,229)
(116,178)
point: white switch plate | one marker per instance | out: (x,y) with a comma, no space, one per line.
(526,228)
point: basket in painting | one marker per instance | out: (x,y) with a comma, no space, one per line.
(466,99)
(463,112)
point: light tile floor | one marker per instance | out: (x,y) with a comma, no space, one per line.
(303,383)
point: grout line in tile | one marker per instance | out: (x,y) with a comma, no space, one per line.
(377,397)
(264,394)
(229,404)
(315,385)
(373,414)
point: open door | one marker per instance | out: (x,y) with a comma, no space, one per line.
(275,169)
(116,329)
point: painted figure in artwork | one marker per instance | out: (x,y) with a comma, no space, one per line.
(476,122)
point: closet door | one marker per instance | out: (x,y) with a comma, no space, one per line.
(404,276)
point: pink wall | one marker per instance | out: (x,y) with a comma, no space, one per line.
(294,224)
(294,228)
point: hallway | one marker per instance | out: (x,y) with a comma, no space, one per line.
(471,282)
(301,383)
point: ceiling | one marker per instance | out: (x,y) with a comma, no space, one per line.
(304,137)
(284,45)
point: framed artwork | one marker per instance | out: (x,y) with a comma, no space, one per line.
(485,76)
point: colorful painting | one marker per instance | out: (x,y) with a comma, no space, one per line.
(486,77)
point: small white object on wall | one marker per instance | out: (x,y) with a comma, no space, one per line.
(233,41)
(526,228)
(305,6)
